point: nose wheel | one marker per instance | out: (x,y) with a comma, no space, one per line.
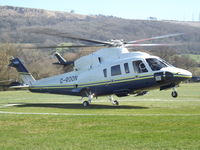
(174,93)
(114,102)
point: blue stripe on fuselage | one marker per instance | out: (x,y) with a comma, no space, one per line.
(99,88)
(106,87)
(93,83)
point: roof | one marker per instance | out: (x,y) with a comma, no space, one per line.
(105,55)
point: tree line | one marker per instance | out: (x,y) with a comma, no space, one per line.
(39,62)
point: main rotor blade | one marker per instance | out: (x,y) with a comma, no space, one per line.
(55,46)
(155,38)
(149,45)
(66,35)
(4,81)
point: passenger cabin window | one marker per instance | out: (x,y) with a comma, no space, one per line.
(155,64)
(126,68)
(115,70)
(139,67)
(105,72)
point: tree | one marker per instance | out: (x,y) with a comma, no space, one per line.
(165,53)
(184,62)
(7,73)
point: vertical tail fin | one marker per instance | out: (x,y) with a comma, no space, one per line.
(26,77)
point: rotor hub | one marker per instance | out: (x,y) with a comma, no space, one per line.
(117,43)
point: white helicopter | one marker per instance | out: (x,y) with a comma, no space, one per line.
(109,71)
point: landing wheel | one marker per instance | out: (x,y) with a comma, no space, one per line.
(115,102)
(86,103)
(174,94)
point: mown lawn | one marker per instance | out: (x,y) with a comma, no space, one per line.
(153,121)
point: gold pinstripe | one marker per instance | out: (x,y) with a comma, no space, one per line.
(105,82)
(93,83)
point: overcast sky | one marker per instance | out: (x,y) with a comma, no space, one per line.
(186,10)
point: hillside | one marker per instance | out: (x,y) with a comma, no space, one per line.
(16,21)
(187,23)
(17,24)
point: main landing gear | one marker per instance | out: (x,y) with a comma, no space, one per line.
(174,93)
(90,97)
(114,102)
(87,103)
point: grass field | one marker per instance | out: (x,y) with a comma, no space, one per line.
(56,122)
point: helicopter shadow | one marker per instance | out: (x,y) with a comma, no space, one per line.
(79,106)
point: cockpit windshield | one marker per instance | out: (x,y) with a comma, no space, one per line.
(156,64)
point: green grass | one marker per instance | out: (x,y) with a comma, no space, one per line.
(153,121)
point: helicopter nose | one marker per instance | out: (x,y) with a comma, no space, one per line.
(183,74)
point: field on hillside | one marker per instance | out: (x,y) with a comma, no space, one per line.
(194,57)
(56,122)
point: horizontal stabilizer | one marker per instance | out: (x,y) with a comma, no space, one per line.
(22,87)
(62,61)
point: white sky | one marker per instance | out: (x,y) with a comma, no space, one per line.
(186,10)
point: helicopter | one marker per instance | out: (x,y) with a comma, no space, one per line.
(109,71)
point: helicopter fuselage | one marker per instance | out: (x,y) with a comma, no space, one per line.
(113,71)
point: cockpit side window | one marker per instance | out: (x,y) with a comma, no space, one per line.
(139,67)
(168,64)
(155,64)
